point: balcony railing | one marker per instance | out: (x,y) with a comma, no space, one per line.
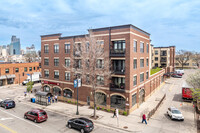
(163,60)
(119,70)
(117,52)
(117,88)
(163,54)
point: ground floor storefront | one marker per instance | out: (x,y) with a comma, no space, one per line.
(7,79)
(105,98)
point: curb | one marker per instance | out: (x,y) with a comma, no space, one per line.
(72,116)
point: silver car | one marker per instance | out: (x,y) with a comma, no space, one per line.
(174,113)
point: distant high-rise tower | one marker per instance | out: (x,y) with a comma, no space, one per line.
(15,46)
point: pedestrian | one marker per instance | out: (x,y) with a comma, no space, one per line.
(56,98)
(114,113)
(144,118)
(49,100)
(52,99)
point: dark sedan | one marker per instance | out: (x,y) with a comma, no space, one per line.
(83,124)
(176,75)
(8,103)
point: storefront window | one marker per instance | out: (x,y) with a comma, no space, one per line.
(118,102)
(56,91)
(46,88)
(100,98)
(67,93)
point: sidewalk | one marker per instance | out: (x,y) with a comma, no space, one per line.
(132,121)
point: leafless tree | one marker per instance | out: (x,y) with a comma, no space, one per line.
(31,57)
(91,63)
(196,58)
(194,81)
(183,57)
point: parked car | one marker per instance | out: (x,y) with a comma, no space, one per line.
(36,115)
(82,124)
(7,103)
(175,75)
(167,74)
(180,71)
(174,113)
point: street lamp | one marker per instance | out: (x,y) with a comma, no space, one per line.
(77,83)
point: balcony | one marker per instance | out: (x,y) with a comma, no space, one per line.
(117,52)
(163,60)
(117,88)
(119,70)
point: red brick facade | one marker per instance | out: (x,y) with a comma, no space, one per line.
(127,33)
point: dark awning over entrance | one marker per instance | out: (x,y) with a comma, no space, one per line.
(42,93)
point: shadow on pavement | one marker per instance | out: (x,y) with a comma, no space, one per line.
(177,97)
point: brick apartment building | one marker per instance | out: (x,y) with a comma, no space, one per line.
(16,73)
(129,51)
(164,57)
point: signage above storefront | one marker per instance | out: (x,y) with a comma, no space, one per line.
(53,83)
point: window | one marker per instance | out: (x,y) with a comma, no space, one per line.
(46,73)
(46,48)
(142,77)
(46,62)
(147,62)
(100,80)
(156,58)
(134,101)
(77,64)
(135,64)
(67,76)
(7,70)
(101,98)
(135,46)
(119,45)
(37,68)
(141,47)
(56,48)
(87,45)
(30,68)
(100,63)
(25,69)
(101,43)
(67,62)
(87,79)
(33,68)
(87,63)
(67,48)
(135,80)
(16,70)
(67,93)
(141,62)
(56,62)
(147,75)
(147,48)
(156,52)
(56,74)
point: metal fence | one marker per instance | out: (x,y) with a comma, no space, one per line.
(152,112)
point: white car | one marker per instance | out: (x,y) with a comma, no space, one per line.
(174,113)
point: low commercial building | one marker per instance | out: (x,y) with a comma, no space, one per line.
(16,73)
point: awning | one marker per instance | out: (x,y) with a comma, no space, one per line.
(42,93)
(3,77)
(11,76)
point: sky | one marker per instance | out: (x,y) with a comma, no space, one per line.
(170,22)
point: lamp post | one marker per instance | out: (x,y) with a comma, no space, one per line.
(77,83)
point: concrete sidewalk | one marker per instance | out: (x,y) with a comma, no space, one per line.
(130,123)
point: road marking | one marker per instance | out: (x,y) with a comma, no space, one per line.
(2,119)
(21,119)
(7,128)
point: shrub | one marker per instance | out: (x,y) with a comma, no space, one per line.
(98,108)
(119,111)
(69,101)
(75,102)
(124,113)
(102,108)
(108,110)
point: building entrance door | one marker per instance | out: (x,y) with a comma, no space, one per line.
(88,100)
(141,96)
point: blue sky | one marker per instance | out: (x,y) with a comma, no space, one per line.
(170,22)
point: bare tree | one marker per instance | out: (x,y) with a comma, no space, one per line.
(31,57)
(196,58)
(183,57)
(194,81)
(91,62)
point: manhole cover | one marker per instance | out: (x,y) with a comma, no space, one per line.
(125,127)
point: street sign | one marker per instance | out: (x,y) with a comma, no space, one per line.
(79,82)
(75,83)
(28,74)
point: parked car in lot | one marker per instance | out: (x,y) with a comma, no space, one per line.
(175,75)
(7,103)
(180,71)
(167,74)
(83,124)
(36,115)
(174,113)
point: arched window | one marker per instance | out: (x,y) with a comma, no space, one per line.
(101,98)
(56,91)
(46,88)
(67,93)
(118,101)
